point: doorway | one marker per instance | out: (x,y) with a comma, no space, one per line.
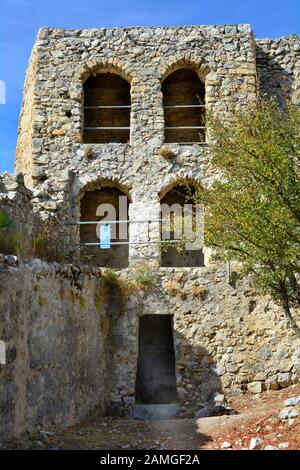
(156,378)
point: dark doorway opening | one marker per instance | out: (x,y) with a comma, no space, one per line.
(156,379)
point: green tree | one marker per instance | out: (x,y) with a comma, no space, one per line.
(253,210)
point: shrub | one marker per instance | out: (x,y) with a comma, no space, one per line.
(166,152)
(88,154)
(110,278)
(200,292)
(125,287)
(174,289)
(143,276)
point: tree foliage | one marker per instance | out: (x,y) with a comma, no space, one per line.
(253,210)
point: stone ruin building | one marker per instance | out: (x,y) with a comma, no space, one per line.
(120,112)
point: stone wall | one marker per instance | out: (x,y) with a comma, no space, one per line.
(226,338)
(278,68)
(72,340)
(227,59)
(35,225)
(54,325)
(16,204)
(222,56)
(15,198)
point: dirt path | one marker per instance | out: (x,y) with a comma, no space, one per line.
(256,417)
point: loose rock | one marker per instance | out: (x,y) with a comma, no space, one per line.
(256,443)
(292,401)
(288,413)
(226,445)
(283,445)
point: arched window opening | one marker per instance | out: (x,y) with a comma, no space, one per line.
(107,105)
(108,204)
(179,200)
(184,107)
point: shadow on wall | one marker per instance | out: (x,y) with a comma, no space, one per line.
(197,379)
(274,81)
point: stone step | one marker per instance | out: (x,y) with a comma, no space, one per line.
(149,412)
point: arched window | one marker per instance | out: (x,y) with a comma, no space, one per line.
(177,209)
(105,204)
(106,109)
(184,107)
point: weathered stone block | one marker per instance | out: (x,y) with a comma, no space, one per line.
(285,379)
(255,387)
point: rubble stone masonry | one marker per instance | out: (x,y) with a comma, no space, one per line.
(72,343)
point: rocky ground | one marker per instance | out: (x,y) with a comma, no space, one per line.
(259,422)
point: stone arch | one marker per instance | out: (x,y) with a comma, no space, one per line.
(179,61)
(106,105)
(100,65)
(92,68)
(98,183)
(182,179)
(174,198)
(108,199)
(183,94)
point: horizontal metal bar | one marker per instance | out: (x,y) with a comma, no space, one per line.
(88,222)
(187,143)
(185,127)
(106,128)
(132,243)
(107,107)
(129,106)
(128,128)
(185,106)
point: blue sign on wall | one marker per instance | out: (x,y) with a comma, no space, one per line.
(105,241)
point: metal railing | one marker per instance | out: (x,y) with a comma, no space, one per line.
(148,242)
(108,107)
(185,127)
(96,222)
(127,106)
(181,106)
(109,222)
(184,106)
(107,128)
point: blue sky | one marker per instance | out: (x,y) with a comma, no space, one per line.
(21,19)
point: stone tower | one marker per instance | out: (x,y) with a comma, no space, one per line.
(145,68)
(114,115)
(148,69)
